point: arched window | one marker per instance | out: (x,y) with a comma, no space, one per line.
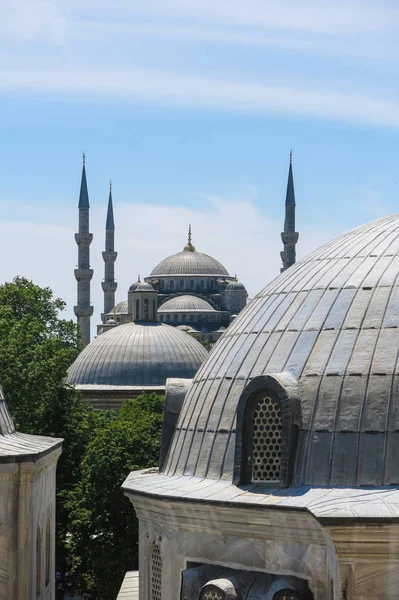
(168,317)
(48,552)
(175,317)
(160,317)
(182,284)
(202,284)
(268,425)
(146,309)
(137,309)
(172,285)
(38,562)
(155,572)
(191,284)
(154,309)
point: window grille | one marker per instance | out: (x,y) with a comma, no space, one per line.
(266,443)
(212,594)
(156,573)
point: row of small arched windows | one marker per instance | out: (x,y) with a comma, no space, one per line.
(47,558)
(184,285)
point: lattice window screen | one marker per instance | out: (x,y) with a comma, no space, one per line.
(211,595)
(266,445)
(156,572)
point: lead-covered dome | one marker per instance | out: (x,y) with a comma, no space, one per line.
(137,354)
(330,324)
(186,303)
(189,262)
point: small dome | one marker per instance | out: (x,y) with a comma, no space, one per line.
(141,286)
(235,286)
(111,322)
(120,308)
(137,354)
(185,328)
(189,304)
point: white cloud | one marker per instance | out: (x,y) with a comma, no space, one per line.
(233,231)
(162,87)
(28,19)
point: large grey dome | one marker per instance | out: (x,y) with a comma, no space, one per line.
(186,303)
(331,322)
(189,263)
(137,354)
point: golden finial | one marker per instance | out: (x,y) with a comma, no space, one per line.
(291,156)
(84,159)
(189,247)
(236,277)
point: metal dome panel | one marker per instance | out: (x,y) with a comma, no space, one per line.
(332,321)
(137,354)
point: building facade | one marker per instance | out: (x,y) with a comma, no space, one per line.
(27,512)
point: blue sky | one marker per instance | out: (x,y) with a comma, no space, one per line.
(192,108)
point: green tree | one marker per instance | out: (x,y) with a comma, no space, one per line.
(36,349)
(103,532)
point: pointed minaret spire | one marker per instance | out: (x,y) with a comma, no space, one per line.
(289,236)
(83,274)
(109,284)
(84,195)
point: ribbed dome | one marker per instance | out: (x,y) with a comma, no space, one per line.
(186,303)
(235,286)
(189,263)
(332,322)
(137,354)
(141,286)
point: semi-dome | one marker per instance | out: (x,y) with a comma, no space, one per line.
(137,354)
(186,303)
(189,263)
(325,334)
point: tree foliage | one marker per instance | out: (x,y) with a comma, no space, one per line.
(104,532)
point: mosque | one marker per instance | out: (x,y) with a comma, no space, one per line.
(146,339)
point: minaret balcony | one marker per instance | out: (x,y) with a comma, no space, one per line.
(83,274)
(289,237)
(110,256)
(83,239)
(81,311)
(109,286)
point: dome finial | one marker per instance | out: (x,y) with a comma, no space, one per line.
(291,156)
(189,247)
(138,278)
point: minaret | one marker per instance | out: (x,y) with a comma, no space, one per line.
(289,236)
(109,284)
(83,273)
